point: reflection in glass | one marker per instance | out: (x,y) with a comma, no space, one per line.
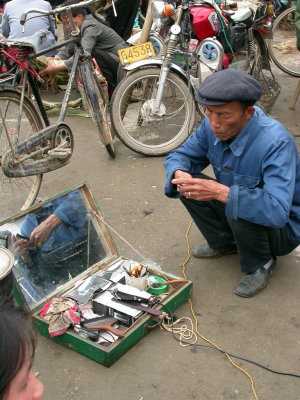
(52,244)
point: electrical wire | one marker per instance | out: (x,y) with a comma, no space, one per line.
(221,19)
(224,351)
(196,321)
(212,345)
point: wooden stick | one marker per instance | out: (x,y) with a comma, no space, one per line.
(147,25)
(295,96)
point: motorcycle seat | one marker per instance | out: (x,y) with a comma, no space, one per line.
(32,42)
(241,15)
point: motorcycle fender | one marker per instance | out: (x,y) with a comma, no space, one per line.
(158,63)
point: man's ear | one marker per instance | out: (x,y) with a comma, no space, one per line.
(81,18)
(249,112)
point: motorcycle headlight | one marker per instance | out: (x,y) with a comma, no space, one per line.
(160,9)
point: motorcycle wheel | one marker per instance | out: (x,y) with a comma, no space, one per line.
(138,127)
(16,194)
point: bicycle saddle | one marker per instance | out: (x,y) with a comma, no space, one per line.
(33,42)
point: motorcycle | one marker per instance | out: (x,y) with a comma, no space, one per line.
(153,107)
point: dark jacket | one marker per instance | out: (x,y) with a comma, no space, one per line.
(94,36)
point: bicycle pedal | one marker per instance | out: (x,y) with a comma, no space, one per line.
(59,153)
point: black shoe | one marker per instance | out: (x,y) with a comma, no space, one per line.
(250,284)
(204,251)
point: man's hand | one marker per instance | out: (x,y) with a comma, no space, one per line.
(181,174)
(200,189)
(20,248)
(43,231)
(52,68)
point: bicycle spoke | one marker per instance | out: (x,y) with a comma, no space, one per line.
(17,124)
(283,45)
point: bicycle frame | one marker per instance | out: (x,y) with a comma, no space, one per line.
(30,73)
(58,154)
(28,148)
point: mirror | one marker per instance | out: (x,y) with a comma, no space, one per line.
(53,243)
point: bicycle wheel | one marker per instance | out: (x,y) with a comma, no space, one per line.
(138,127)
(97,107)
(16,193)
(283,45)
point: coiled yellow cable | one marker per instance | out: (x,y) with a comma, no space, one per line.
(196,322)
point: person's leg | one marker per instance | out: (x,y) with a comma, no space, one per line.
(258,247)
(109,68)
(258,244)
(210,218)
(253,244)
(280,242)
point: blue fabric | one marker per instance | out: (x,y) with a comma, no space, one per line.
(261,167)
(70,210)
(136,21)
(12,29)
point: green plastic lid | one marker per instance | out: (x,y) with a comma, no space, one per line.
(151,281)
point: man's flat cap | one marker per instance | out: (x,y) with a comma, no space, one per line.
(228,85)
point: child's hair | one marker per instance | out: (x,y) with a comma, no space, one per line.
(17,341)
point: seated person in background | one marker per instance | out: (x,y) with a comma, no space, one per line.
(98,40)
(17,349)
(12,29)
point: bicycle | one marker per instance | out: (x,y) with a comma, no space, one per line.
(29,144)
(283,45)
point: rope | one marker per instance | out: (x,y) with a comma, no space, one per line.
(121,237)
(185,333)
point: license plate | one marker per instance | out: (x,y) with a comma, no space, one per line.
(136,53)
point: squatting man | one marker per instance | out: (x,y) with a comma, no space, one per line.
(253,205)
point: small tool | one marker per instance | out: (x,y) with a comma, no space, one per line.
(103,324)
(137,296)
(139,306)
(93,335)
(173,282)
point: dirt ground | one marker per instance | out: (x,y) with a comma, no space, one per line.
(265,328)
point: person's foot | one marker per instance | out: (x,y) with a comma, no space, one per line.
(250,284)
(204,251)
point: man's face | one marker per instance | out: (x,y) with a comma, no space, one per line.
(227,120)
(78,19)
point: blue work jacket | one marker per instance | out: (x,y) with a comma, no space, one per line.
(261,167)
(70,210)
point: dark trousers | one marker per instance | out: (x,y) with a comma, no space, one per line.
(256,244)
(109,68)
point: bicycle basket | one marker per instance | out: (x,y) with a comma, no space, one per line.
(271,88)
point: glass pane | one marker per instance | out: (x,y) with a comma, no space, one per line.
(53,244)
